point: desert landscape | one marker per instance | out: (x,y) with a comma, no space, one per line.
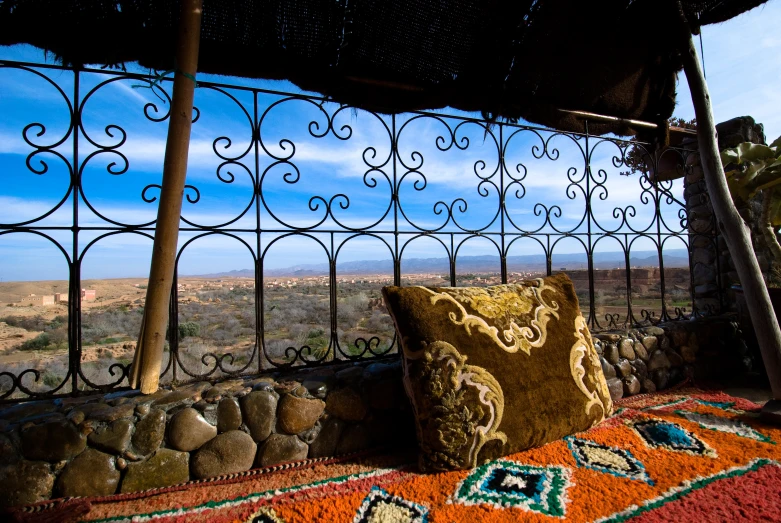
(217,316)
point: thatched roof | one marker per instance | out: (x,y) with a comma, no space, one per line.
(520,59)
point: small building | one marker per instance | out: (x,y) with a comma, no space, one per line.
(88,294)
(33,300)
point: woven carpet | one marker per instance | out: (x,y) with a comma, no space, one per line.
(683,456)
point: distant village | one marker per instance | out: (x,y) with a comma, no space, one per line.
(196,289)
(46,300)
(189,288)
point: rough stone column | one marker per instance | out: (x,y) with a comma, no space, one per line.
(703,238)
(713,272)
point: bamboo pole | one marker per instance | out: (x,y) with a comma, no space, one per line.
(731,224)
(149,350)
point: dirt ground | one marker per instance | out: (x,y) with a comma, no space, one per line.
(108,292)
(114,292)
(13,336)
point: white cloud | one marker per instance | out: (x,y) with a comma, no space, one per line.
(743,68)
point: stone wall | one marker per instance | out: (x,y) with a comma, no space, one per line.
(654,358)
(125,442)
(713,272)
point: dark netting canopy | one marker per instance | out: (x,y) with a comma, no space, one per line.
(522,59)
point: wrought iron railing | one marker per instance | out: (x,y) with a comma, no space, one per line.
(351,184)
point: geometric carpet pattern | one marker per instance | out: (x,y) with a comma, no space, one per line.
(613,460)
(379,506)
(686,455)
(662,434)
(505,484)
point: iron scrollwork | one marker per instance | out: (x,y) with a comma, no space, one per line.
(499,205)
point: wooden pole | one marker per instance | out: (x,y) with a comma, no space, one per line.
(731,224)
(149,350)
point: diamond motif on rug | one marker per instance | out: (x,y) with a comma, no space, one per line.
(503,484)
(657,433)
(729,425)
(611,460)
(729,406)
(265,515)
(381,507)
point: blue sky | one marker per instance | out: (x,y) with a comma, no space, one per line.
(742,62)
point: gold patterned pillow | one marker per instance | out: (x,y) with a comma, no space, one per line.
(496,370)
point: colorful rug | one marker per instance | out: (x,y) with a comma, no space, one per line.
(683,456)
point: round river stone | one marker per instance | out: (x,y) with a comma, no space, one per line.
(175,398)
(675,359)
(654,331)
(658,361)
(188,430)
(317,386)
(661,378)
(279,448)
(680,337)
(640,369)
(688,354)
(53,441)
(346,404)
(259,409)
(309,435)
(299,414)
(228,415)
(108,413)
(650,343)
(228,453)
(25,482)
(623,368)
(607,369)
(611,353)
(631,386)
(626,349)
(91,473)
(149,432)
(115,438)
(641,351)
(166,467)
(325,443)
(616,388)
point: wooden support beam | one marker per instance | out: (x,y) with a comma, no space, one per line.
(730,223)
(149,350)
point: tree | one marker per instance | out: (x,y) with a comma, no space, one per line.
(637,158)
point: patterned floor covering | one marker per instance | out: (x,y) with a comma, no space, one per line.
(683,456)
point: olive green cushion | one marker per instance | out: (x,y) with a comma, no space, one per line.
(496,370)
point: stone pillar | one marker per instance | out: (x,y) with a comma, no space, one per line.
(713,272)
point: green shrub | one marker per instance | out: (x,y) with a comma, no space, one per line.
(315,333)
(189,328)
(51,380)
(40,342)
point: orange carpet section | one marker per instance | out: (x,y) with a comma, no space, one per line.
(658,458)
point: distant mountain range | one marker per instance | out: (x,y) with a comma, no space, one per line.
(474,264)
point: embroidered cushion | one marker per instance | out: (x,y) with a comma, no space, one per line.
(496,370)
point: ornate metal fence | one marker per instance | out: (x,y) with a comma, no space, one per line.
(297,181)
